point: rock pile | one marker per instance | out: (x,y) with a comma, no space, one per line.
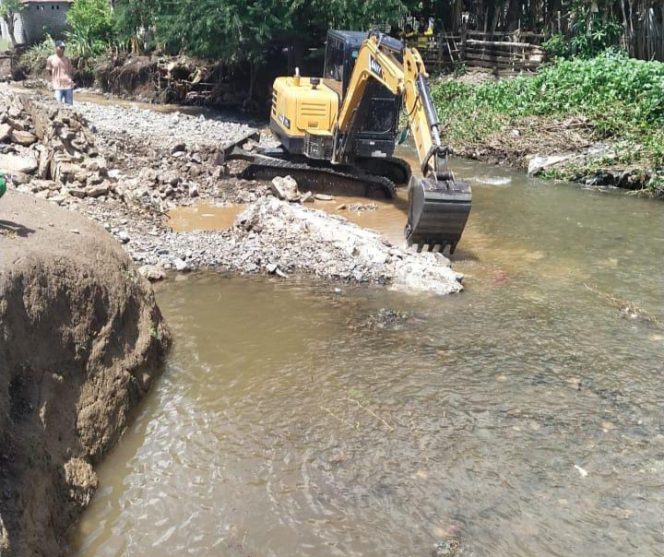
(276,237)
(170,130)
(57,154)
(127,178)
(50,150)
(292,238)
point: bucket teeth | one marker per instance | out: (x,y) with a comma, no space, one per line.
(437,213)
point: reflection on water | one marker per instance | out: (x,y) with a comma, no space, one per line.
(523,417)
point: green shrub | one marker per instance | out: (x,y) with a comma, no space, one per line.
(623,97)
(557,46)
(34,58)
(92,27)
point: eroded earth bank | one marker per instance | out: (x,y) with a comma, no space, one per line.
(81,341)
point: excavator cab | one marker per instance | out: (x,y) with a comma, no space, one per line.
(378,113)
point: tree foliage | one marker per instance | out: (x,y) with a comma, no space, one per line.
(232,29)
(92,26)
(240,30)
(9,10)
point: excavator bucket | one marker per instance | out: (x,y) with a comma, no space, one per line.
(437,212)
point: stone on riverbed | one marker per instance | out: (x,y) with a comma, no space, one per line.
(285,187)
(152,273)
(15,163)
(539,164)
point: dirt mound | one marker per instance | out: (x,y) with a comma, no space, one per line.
(134,76)
(81,340)
(171,79)
(527,137)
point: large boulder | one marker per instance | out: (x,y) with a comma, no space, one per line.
(81,342)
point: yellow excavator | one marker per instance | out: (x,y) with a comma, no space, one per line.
(339,133)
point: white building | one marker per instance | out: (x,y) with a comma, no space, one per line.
(38,18)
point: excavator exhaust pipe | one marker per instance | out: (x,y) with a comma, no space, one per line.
(437,212)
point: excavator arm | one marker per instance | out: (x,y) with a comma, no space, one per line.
(438,204)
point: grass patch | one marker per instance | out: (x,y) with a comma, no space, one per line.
(622,98)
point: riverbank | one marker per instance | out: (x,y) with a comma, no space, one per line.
(81,342)
(127,167)
(598,122)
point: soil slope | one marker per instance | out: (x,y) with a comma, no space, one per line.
(81,341)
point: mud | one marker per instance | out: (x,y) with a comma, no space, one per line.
(81,342)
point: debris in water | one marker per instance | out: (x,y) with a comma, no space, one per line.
(445,548)
(494,180)
(627,309)
(362,207)
(384,318)
(582,472)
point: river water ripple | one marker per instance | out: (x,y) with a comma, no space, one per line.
(523,417)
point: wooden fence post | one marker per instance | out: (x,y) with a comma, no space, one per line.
(464,37)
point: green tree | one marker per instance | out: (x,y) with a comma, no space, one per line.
(9,10)
(135,20)
(235,30)
(92,26)
(241,30)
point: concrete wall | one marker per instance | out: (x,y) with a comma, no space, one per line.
(37,19)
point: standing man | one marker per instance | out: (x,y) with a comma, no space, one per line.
(61,74)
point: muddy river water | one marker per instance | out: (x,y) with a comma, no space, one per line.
(523,417)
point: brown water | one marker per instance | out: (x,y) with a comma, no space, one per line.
(386,217)
(292,421)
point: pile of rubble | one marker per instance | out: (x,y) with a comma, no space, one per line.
(167,129)
(58,154)
(50,151)
(277,237)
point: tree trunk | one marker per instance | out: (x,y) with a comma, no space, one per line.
(253,74)
(661,36)
(10,20)
(513,15)
(555,10)
(626,38)
(497,9)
